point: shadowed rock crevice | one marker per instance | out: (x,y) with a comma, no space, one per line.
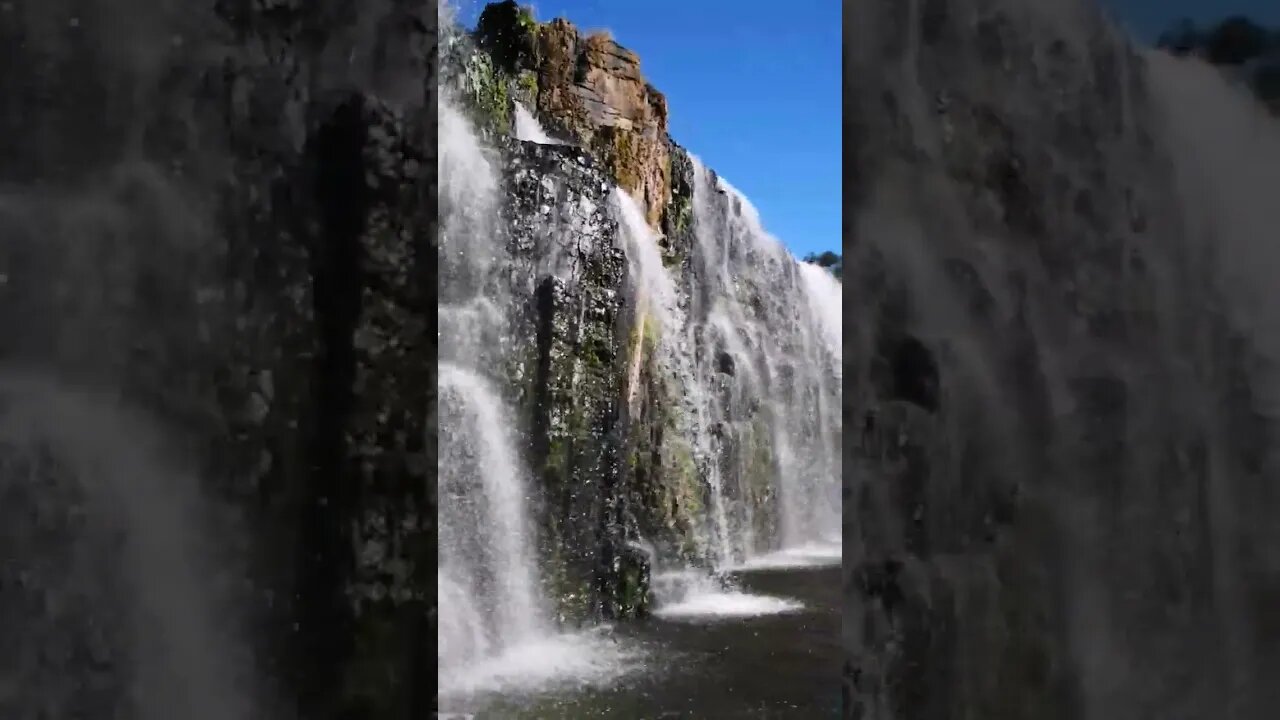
(341,196)
(915,374)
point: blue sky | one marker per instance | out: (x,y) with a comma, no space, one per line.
(753,89)
(1146,19)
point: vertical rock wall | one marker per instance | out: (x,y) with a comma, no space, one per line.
(1043,519)
(242,244)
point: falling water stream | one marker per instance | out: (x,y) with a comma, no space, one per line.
(496,631)
(500,648)
(112,598)
(1091,441)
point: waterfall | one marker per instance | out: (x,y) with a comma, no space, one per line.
(774,323)
(496,624)
(113,601)
(1227,169)
(1064,369)
(658,303)
(799,415)
(489,597)
(485,556)
(527,127)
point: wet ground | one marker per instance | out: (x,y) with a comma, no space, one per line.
(784,666)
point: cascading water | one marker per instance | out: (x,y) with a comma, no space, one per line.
(774,323)
(489,597)
(720,334)
(1064,358)
(647,393)
(486,565)
(496,626)
(107,582)
(528,129)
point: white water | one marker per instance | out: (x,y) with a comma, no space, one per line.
(486,559)
(528,128)
(1229,170)
(658,303)
(780,320)
(731,543)
(496,631)
(116,546)
(816,554)
(691,594)
(590,658)
(1227,162)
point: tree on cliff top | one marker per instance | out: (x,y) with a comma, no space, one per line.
(1234,42)
(829,260)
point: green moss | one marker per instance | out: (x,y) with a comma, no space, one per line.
(633,591)
(487,89)
(643,346)
(526,20)
(677,213)
(684,214)
(758,475)
(527,88)
(619,151)
(651,333)
(572,596)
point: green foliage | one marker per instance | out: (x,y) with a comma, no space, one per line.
(508,32)
(1233,42)
(1236,41)
(829,260)
(486,88)
(527,86)
(526,20)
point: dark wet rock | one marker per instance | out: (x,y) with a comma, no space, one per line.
(586,88)
(257,271)
(915,374)
(724,363)
(1052,447)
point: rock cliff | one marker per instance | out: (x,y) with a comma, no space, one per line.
(223,214)
(660,359)
(1056,503)
(587,89)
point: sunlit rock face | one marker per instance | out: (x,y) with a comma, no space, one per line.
(673,372)
(1059,373)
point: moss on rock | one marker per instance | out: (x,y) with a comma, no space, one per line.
(677,213)
(487,93)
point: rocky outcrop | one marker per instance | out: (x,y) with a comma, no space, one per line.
(626,458)
(588,89)
(567,263)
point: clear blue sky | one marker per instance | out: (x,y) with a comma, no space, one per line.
(753,89)
(1146,19)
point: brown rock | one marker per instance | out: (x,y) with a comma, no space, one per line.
(591,89)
